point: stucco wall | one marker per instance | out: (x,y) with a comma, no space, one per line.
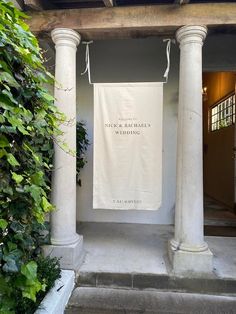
(219,53)
(129,61)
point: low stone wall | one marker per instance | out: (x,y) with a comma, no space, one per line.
(56,299)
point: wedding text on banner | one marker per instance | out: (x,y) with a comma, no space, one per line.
(128,146)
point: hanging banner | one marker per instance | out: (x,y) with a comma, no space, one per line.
(128,146)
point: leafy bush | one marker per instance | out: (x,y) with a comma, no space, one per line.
(48,272)
(82,143)
(28,123)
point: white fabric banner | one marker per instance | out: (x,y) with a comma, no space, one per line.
(128,146)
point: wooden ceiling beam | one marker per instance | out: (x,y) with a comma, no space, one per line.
(135,21)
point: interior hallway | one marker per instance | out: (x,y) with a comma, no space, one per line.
(218,219)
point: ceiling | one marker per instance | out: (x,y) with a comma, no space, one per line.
(78,4)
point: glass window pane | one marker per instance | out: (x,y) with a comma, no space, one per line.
(223,114)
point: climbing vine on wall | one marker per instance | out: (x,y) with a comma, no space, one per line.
(28,123)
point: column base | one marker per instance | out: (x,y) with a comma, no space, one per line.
(71,256)
(191,263)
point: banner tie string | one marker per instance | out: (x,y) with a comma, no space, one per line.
(87,60)
(168,46)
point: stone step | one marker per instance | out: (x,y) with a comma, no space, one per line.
(88,300)
(140,281)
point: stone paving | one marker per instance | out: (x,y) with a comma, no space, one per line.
(142,249)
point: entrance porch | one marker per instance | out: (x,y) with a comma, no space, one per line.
(135,255)
(188,251)
(126,270)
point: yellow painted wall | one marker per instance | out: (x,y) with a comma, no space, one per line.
(218,145)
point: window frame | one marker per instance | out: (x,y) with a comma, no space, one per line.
(223,110)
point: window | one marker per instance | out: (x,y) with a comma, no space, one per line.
(223,113)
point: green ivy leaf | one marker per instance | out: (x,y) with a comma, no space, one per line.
(10,266)
(4,141)
(31,291)
(4,284)
(2,152)
(12,160)
(17,177)
(14,120)
(4,66)
(38,178)
(7,100)
(29,270)
(33,286)
(7,303)
(17,227)
(23,130)
(46,96)
(47,207)
(9,79)
(11,246)
(3,224)
(35,192)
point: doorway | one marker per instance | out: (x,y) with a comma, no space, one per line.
(219,153)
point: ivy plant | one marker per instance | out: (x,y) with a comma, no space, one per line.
(28,123)
(82,143)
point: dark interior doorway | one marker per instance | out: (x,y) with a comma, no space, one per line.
(218,153)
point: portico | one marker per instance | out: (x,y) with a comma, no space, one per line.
(188,252)
(188,244)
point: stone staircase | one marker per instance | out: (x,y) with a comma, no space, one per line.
(135,293)
(126,271)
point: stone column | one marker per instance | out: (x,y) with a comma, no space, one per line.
(188,251)
(66,243)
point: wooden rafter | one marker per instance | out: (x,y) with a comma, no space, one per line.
(108,3)
(136,21)
(36,5)
(182,1)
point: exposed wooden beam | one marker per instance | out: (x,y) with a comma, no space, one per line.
(108,3)
(135,21)
(182,1)
(35,5)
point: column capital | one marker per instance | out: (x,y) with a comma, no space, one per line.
(191,34)
(65,37)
